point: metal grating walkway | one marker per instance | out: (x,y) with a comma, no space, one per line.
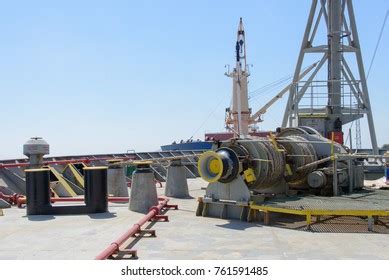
(370,204)
(363,200)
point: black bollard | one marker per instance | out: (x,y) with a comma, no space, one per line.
(38,191)
(96,193)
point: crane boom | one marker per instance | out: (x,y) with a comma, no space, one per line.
(264,108)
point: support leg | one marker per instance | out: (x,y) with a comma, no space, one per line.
(370,223)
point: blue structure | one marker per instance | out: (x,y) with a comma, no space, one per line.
(188,146)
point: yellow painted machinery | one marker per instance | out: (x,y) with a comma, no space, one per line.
(240,171)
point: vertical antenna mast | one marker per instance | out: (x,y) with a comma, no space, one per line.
(238,118)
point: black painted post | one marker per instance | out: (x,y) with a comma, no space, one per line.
(38,191)
(96,193)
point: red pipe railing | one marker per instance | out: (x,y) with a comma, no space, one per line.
(114,247)
(20,200)
(66,161)
(10,198)
(81,199)
(10,165)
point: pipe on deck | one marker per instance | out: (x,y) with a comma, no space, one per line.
(21,199)
(81,199)
(114,247)
(10,198)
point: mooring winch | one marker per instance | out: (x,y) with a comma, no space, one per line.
(299,159)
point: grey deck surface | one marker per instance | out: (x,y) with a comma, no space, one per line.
(184,237)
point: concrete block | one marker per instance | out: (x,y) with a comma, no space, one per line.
(117,184)
(143,191)
(176,183)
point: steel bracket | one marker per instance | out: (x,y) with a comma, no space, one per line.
(145,233)
(158,218)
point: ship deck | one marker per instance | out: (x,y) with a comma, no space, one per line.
(187,236)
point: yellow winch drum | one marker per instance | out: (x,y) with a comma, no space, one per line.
(221,165)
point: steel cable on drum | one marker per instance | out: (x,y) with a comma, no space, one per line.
(298,145)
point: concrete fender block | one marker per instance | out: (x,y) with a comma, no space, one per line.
(117,184)
(176,183)
(143,192)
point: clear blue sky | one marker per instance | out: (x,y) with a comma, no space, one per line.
(107,76)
